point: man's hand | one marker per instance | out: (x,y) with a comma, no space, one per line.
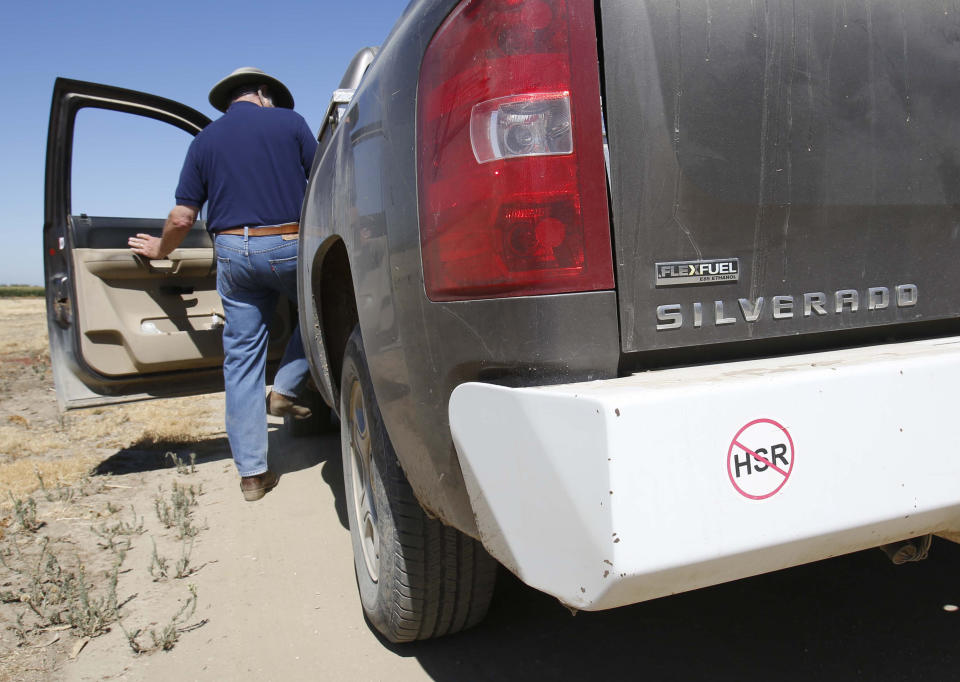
(146,246)
(178,224)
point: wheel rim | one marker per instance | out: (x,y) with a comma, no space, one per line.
(360,465)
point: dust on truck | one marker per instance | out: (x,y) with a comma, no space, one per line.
(637,296)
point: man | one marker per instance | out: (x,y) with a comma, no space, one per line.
(250,167)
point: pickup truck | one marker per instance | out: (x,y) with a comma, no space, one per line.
(630,297)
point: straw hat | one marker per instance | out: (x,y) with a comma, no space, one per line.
(248,75)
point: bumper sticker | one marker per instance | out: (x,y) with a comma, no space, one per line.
(760,459)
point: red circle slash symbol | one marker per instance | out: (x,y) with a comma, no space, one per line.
(760,459)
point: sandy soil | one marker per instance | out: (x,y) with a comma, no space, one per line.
(274,583)
(275,597)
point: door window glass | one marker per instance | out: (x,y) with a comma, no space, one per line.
(125,165)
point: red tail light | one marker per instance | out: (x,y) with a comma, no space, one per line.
(511,178)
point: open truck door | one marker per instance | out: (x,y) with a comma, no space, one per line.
(123,327)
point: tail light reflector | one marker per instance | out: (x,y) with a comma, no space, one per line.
(521,125)
(510,155)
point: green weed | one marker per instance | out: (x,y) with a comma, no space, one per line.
(182,467)
(60,596)
(166,637)
(25,513)
(178,512)
(159,566)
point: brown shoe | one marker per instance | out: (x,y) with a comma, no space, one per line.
(280,405)
(255,487)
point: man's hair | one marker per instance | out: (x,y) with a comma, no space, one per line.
(251,90)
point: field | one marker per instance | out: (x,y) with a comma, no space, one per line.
(127,551)
(34,437)
(73,520)
(19,290)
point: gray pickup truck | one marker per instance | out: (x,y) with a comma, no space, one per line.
(628,296)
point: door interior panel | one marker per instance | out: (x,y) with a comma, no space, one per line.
(139,316)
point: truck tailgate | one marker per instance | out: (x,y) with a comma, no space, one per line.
(811,149)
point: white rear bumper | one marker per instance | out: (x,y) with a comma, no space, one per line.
(612,492)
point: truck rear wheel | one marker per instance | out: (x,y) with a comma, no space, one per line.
(417,578)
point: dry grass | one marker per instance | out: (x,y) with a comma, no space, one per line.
(65,452)
(20,477)
(65,448)
(25,329)
(179,420)
(17,441)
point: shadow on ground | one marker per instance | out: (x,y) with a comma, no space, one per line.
(286,454)
(293,454)
(851,617)
(142,457)
(332,473)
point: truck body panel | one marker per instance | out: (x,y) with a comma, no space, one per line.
(806,152)
(363,193)
(817,145)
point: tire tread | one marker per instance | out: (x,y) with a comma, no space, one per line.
(442,580)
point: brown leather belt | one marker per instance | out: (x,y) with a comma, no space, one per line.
(266,231)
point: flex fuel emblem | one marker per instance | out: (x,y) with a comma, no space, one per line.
(760,459)
(678,272)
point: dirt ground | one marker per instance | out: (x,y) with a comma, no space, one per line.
(127,552)
(89,586)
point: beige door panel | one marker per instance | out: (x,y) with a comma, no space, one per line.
(139,319)
(140,316)
(121,264)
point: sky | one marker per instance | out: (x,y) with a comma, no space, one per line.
(125,165)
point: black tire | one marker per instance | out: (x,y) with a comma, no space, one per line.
(417,578)
(321,421)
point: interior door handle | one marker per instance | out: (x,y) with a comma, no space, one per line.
(163,265)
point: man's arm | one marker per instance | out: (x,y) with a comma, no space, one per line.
(308,147)
(179,222)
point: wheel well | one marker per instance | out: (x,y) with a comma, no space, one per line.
(335,306)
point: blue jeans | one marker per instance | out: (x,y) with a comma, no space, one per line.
(251,273)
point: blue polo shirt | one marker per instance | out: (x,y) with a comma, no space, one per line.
(250,166)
